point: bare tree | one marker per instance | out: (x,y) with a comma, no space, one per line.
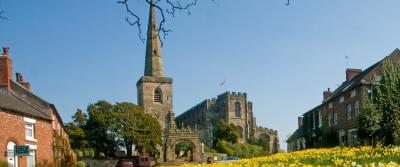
(2,15)
(164,7)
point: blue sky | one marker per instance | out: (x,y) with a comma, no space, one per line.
(77,52)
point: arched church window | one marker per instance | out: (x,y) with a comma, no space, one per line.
(157,95)
(237,109)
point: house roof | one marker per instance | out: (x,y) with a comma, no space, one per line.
(345,86)
(297,134)
(20,100)
(355,81)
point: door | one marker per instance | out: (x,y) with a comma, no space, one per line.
(11,158)
(31,158)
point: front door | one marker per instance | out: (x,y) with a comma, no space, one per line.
(11,158)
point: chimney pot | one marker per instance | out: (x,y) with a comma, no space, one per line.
(326,94)
(5,50)
(299,121)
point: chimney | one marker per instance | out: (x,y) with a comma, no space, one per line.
(299,121)
(326,94)
(351,73)
(5,68)
(20,79)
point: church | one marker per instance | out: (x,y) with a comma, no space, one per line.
(154,95)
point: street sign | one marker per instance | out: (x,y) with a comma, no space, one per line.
(21,150)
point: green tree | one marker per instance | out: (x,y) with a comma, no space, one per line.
(63,154)
(100,128)
(76,132)
(226,132)
(380,117)
(387,101)
(136,127)
(370,122)
(223,146)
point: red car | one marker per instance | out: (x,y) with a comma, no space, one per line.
(135,161)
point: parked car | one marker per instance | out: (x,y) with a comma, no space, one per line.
(136,161)
(229,159)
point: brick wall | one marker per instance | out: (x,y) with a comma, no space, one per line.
(12,127)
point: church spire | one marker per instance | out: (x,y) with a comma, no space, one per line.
(154,66)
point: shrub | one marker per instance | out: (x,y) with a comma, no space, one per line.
(3,164)
(80,164)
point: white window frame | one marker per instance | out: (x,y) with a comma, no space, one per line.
(330,105)
(319,118)
(353,93)
(357,107)
(335,118)
(330,119)
(29,123)
(30,126)
(348,111)
(313,120)
(341,99)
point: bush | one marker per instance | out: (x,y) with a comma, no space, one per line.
(80,164)
(224,147)
(44,163)
(3,164)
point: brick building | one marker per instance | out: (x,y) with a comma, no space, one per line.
(337,116)
(231,107)
(25,119)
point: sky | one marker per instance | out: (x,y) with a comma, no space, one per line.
(78,52)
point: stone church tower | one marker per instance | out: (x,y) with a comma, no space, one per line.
(155,97)
(155,90)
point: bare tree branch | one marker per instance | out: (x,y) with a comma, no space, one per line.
(2,16)
(164,7)
(288,3)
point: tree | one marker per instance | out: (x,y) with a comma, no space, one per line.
(63,154)
(369,121)
(387,101)
(136,127)
(223,146)
(76,132)
(2,15)
(165,7)
(100,128)
(380,117)
(226,132)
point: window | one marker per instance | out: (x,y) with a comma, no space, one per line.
(352,137)
(378,78)
(29,131)
(319,118)
(313,120)
(157,95)
(330,105)
(31,158)
(335,118)
(330,119)
(357,107)
(348,111)
(237,109)
(353,93)
(341,99)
